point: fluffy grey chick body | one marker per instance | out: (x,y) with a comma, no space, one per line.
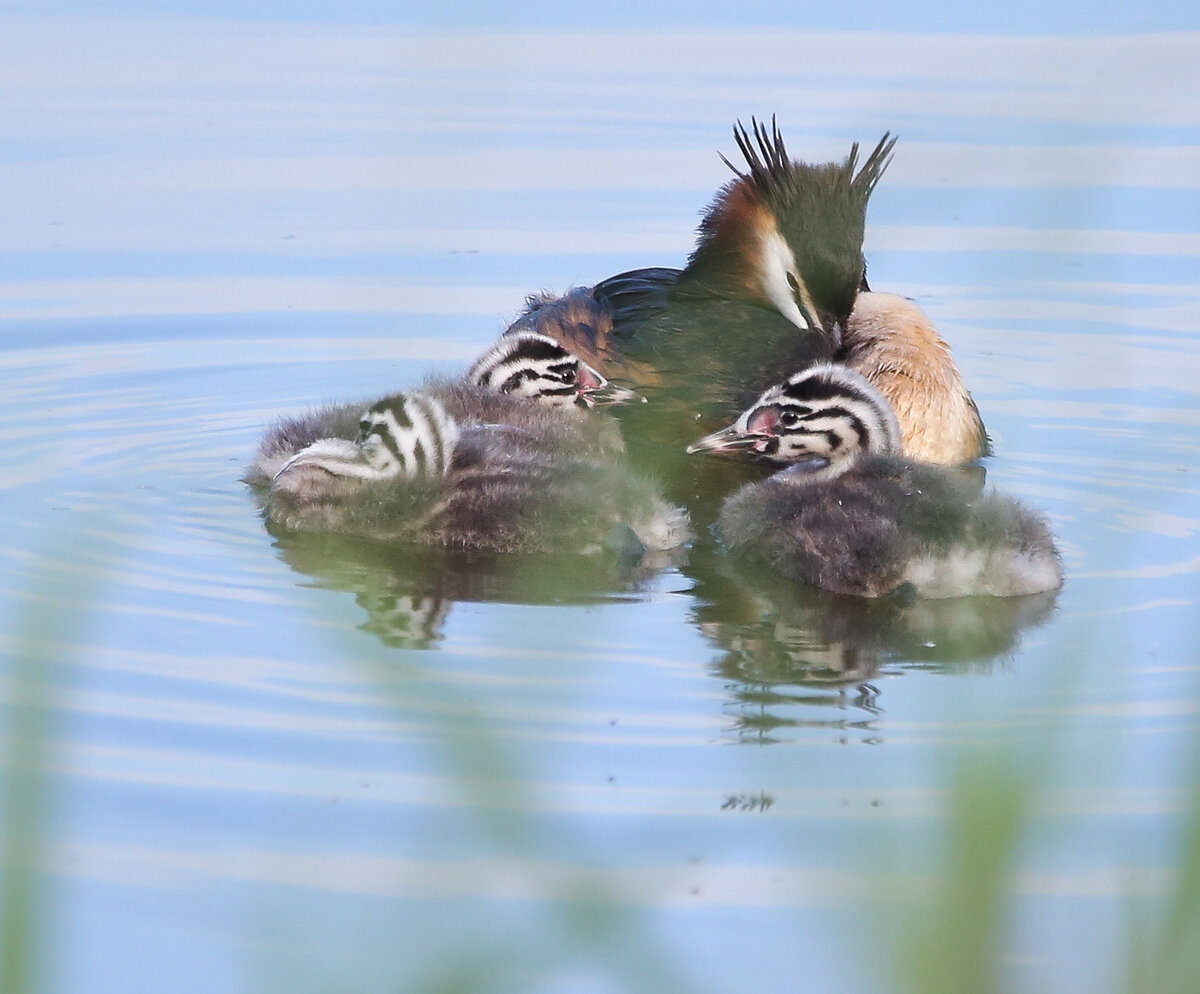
(502,461)
(848,514)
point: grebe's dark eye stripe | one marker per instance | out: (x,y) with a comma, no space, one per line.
(516,379)
(558,368)
(843,416)
(832,411)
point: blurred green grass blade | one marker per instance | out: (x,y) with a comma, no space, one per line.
(958,940)
(59,601)
(24,802)
(1164,942)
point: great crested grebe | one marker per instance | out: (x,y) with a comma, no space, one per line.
(502,460)
(849,514)
(776,282)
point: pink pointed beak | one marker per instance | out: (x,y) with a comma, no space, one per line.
(594,389)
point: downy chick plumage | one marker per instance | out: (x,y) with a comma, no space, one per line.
(502,460)
(850,515)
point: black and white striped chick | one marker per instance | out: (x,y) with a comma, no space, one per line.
(501,460)
(533,366)
(498,388)
(850,515)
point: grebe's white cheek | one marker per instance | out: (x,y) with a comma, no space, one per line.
(777,262)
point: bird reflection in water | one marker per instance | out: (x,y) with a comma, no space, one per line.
(795,657)
(790,657)
(409,592)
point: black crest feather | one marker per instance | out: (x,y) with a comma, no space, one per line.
(768,169)
(771,173)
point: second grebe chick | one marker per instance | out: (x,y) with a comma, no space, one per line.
(504,459)
(526,380)
(848,514)
(533,366)
(413,474)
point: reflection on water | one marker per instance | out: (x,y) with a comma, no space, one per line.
(786,650)
(408,592)
(783,649)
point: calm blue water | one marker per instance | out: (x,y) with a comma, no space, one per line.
(283,765)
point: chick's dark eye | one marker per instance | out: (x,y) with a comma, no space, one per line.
(793,282)
(789,419)
(569,376)
(364,428)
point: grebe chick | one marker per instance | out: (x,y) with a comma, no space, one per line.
(776,282)
(503,459)
(526,381)
(413,474)
(848,514)
(533,366)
